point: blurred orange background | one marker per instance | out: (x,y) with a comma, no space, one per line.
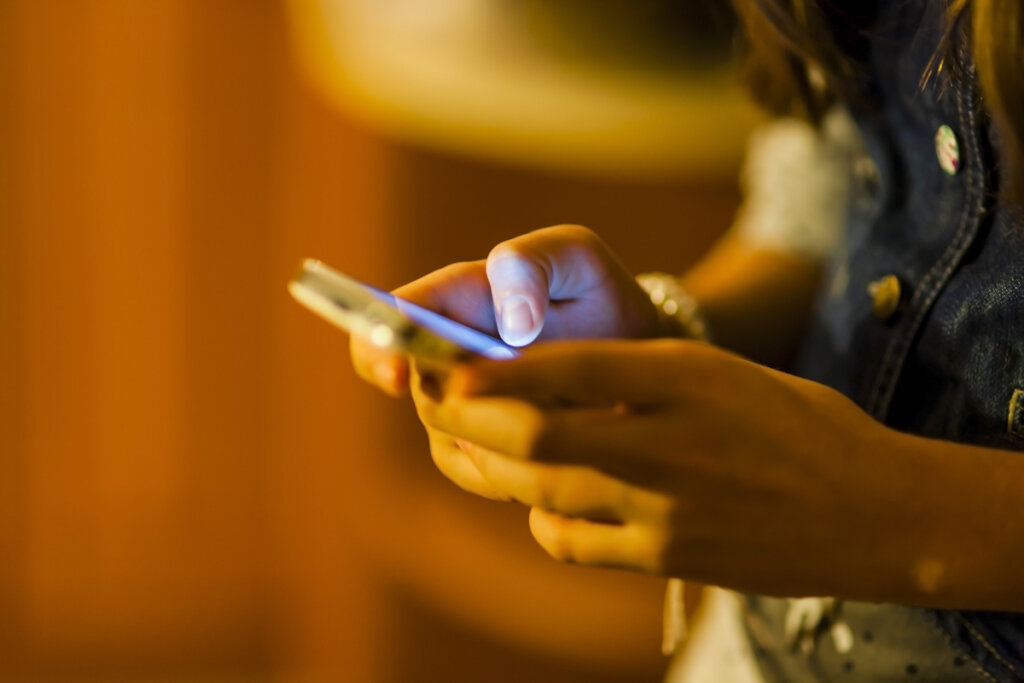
(194,485)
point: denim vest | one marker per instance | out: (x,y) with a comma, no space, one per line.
(947,361)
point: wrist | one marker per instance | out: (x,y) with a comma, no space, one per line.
(945,534)
(971,554)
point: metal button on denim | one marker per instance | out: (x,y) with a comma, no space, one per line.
(885,296)
(947,149)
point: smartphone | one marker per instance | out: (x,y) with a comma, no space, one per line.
(387,321)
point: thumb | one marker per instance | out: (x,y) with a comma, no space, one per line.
(519,285)
(530,271)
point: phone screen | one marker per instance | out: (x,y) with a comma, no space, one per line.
(398,324)
(464,336)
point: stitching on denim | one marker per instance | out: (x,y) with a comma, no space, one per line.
(925,294)
(1015,419)
(982,671)
(932,619)
(988,646)
(896,351)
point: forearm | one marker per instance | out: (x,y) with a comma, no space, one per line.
(937,524)
(755,300)
(948,531)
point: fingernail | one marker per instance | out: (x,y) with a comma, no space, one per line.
(517,323)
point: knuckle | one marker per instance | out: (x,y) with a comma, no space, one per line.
(590,243)
(577,232)
(565,490)
(504,249)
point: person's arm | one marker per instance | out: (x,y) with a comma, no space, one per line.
(957,539)
(754,299)
(756,286)
(677,458)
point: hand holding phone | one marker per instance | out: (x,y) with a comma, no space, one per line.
(555,283)
(387,322)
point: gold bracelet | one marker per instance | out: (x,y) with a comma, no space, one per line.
(675,305)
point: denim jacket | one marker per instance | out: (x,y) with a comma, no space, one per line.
(922,323)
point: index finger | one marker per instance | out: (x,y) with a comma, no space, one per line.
(459,291)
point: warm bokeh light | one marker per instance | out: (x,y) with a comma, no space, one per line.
(599,88)
(195,485)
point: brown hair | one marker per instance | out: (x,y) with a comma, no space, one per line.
(802,54)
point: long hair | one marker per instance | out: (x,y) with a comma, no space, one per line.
(803,54)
